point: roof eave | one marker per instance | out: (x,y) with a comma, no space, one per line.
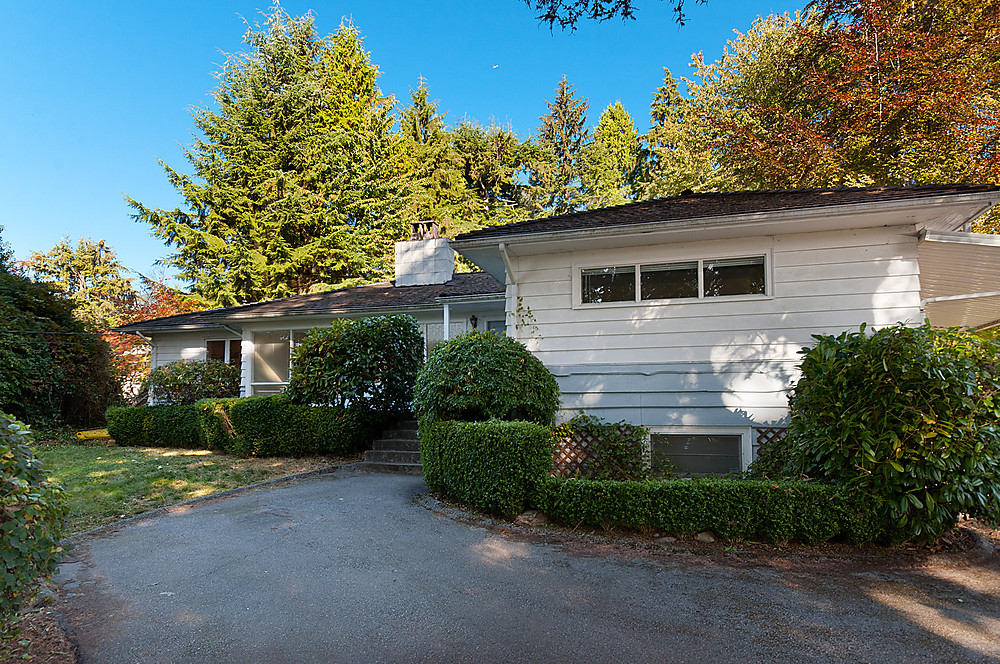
(788,216)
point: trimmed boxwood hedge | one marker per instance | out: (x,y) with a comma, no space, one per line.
(163,426)
(252,426)
(497,466)
(732,508)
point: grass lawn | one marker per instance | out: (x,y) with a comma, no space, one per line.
(105,483)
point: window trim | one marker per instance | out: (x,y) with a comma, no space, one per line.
(227,352)
(767,253)
(744,432)
(291,332)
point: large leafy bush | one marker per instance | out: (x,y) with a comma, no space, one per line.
(479,376)
(52,370)
(32,510)
(183,382)
(908,415)
(368,362)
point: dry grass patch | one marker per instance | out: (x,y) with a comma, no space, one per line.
(106,483)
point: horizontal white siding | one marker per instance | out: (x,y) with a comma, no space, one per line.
(712,362)
(174,346)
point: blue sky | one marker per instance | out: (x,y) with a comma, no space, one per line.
(93,93)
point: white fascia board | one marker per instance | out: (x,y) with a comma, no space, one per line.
(458,299)
(959,237)
(330,312)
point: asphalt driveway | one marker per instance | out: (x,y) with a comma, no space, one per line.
(348,567)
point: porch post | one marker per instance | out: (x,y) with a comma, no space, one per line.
(447,322)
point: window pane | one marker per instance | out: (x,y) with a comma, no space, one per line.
(671,280)
(608,284)
(270,357)
(734,276)
(498,327)
(699,454)
(235,352)
(215,350)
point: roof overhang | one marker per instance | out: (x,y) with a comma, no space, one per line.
(934,213)
(960,278)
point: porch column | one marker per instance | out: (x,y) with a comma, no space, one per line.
(447,322)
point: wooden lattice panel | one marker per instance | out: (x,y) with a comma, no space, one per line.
(767,435)
(575,455)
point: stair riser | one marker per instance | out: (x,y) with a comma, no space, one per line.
(405,445)
(392,456)
(400,433)
(394,468)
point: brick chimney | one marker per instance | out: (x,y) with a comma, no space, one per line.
(425,258)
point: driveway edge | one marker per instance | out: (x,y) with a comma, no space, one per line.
(287,479)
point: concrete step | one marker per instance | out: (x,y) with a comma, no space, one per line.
(397,468)
(392,456)
(397,432)
(408,444)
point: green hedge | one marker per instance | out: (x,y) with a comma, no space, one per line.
(494,465)
(252,426)
(163,426)
(734,509)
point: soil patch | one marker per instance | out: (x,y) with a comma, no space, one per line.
(41,641)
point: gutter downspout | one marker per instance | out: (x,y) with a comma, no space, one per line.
(152,349)
(511,305)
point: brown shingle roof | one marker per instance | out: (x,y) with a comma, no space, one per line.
(695,206)
(357,298)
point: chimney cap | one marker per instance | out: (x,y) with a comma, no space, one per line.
(424,230)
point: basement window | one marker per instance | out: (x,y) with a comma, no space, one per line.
(698,454)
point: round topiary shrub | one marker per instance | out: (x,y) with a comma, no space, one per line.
(32,513)
(483,375)
(908,415)
(183,382)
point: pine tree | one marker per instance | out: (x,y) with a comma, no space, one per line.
(678,151)
(299,181)
(555,170)
(610,161)
(493,159)
(90,275)
(440,191)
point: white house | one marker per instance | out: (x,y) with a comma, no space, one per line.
(684,314)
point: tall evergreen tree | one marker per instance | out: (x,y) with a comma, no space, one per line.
(440,191)
(493,159)
(609,162)
(562,137)
(299,181)
(678,150)
(90,275)
(6,254)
